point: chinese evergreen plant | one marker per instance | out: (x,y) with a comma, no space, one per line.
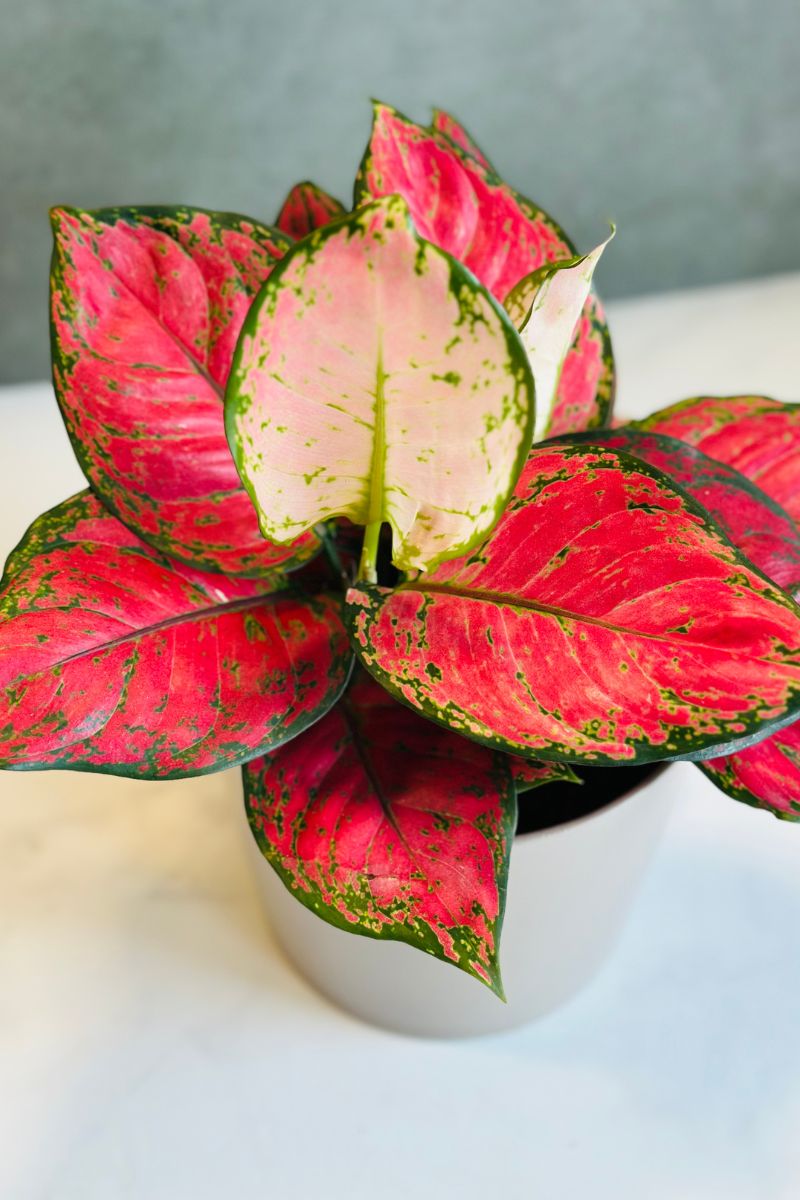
(534,590)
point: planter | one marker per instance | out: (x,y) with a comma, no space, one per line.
(570,889)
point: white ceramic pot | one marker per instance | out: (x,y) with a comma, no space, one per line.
(570,889)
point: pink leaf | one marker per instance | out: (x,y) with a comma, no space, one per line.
(113,658)
(756,525)
(384,825)
(307,207)
(451,128)
(757,436)
(605,619)
(147,305)
(766,775)
(457,203)
(376,380)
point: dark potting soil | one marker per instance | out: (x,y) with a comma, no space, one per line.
(557,803)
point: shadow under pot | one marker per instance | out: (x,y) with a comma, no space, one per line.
(578,857)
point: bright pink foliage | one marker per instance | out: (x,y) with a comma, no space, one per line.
(146,310)
(603,619)
(383,823)
(114,658)
(757,435)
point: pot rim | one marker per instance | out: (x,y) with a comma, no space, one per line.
(658,771)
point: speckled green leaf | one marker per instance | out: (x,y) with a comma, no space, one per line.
(114,658)
(529,773)
(606,619)
(766,775)
(444,123)
(307,207)
(758,436)
(376,380)
(382,824)
(459,203)
(756,525)
(146,306)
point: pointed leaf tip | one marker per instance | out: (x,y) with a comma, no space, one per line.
(146,306)
(546,307)
(386,826)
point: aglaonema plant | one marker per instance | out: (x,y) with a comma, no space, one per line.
(357,522)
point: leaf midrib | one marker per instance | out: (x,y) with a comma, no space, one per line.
(199,367)
(502,599)
(231,606)
(378,463)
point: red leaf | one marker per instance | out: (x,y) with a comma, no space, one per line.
(307,207)
(754,523)
(459,204)
(529,773)
(605,619)
(147,305)
(113,658)
(766,775)
(455,131)
(757,436)
(588,382)
(384,825)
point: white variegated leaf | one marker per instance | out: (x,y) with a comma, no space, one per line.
(545,306)
(376,379)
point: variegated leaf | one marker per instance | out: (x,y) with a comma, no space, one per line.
(146,307)
(458,203)
(444,123)
(307,207)
(754,523)
(384,825)
(114,658)
(588,381)
(766,775)
(545,306)
(756,435)
(604,620)
(529,773)
(376,380)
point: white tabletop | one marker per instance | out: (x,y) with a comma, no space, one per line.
(155,1046)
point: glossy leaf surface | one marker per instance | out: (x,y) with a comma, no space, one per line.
(307,207)
(458,203)
(146,308)
(754,523)
(605,619)
(757,436)
(113,658)
(385,825)
(766,775)
(377,381)
(546,307)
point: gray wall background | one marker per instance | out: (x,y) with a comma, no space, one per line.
(678,119)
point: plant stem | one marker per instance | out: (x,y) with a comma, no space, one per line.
(369,553)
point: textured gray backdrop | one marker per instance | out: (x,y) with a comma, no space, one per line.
(680,119)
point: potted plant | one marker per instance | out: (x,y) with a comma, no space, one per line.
(358,524)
